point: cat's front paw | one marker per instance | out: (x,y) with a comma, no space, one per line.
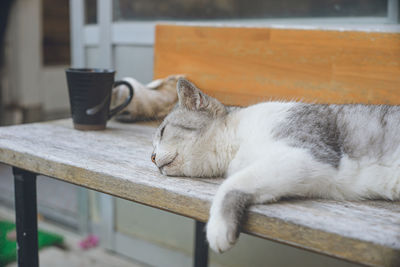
(221,235)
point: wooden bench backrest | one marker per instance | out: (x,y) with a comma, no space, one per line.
(242,66)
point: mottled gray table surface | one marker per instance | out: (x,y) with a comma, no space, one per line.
(116,161)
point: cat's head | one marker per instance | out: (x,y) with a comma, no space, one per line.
(183,143)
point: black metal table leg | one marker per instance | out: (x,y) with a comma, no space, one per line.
(26,218)
(200,246)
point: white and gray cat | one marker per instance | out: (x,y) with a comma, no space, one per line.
(278,149)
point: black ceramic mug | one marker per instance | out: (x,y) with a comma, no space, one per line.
(90,93)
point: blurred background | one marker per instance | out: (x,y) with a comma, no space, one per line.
(40,38)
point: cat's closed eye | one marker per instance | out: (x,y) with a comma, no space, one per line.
(162,132)
(186,128)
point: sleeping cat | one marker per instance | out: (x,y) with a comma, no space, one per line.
(276,149)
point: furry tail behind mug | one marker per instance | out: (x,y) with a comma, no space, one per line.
(151,101)
(278,149)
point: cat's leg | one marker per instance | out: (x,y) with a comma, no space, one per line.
(261,182)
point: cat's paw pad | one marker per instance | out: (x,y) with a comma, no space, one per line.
(221,235)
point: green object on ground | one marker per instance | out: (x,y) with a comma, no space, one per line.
(8,248)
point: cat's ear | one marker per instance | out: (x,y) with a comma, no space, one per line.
(191,98)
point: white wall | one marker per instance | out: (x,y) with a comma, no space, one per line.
(134,61)
(28,83)
(25,53)
(54,89)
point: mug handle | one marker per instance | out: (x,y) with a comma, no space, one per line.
(117,109)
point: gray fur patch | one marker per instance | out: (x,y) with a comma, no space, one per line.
(373,130)
(234,206)
(330,131)
(314,127)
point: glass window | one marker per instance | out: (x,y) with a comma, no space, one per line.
(90,11)
(245,9)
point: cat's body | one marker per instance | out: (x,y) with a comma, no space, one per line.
(151,101)
(277,149)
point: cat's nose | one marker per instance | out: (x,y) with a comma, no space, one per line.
(153,158)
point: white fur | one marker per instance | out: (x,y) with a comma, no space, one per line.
(270,169)
(242,147)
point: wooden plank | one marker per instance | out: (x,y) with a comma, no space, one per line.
(117,162)
(243,66)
